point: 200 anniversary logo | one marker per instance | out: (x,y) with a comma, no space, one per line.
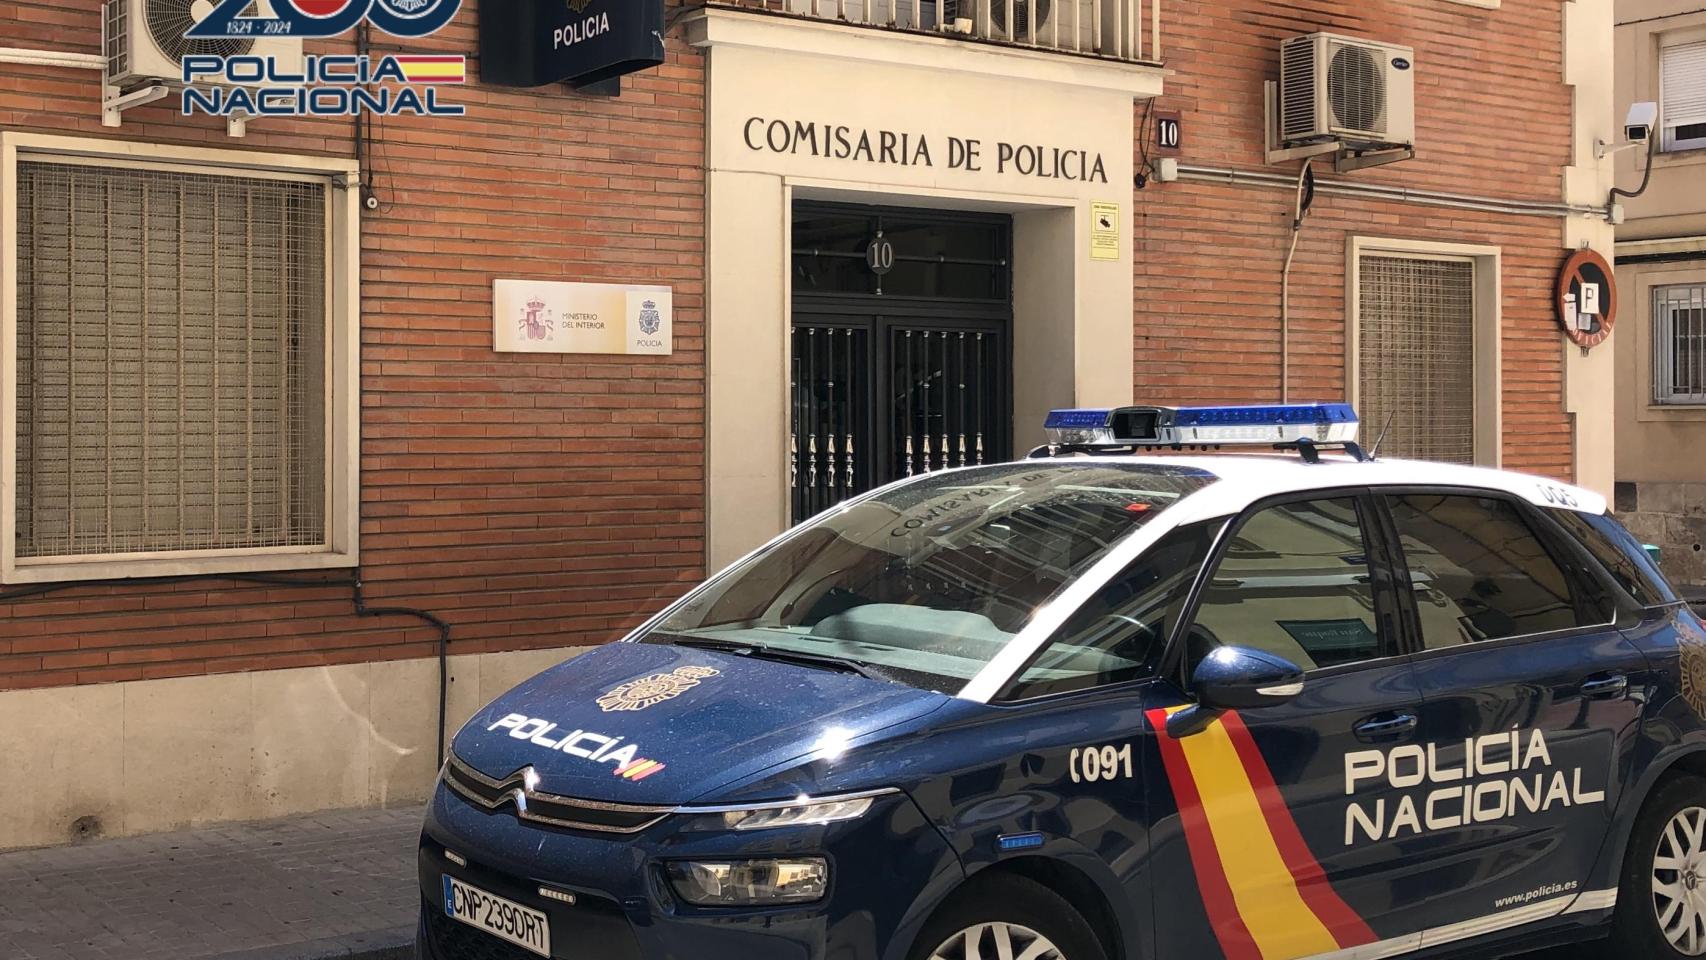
(322,18)
(259,82)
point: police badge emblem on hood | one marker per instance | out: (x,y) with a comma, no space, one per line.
(652,724)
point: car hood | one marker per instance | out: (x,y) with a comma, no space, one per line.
(653,724)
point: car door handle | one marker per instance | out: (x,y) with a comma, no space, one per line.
(1605,688)
(1386,728)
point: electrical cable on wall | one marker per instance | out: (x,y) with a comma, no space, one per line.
(1304,198)
(1646,179)
(1146,169)
(357,596)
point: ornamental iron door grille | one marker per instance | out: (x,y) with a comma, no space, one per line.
(901,351)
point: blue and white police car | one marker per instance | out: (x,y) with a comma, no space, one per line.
(1095,705)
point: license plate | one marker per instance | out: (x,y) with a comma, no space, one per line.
(504,919)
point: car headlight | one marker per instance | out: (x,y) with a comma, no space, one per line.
(746,883)
(797,814)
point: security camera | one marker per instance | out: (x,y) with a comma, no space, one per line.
(1638,128)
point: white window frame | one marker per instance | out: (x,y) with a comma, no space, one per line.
(343,371)
(1664,347)
(1489,318)
(1668,141)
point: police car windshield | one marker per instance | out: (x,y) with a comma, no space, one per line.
(925,583)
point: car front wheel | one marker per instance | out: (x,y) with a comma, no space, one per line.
(1008,918)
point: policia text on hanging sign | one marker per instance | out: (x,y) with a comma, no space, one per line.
(529,43)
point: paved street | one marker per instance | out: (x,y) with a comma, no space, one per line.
(323,886)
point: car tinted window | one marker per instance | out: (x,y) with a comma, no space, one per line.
(1295,581)
(1479,571)
(1117,635)
(1619,553)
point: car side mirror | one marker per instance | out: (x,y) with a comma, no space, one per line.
(1235,678)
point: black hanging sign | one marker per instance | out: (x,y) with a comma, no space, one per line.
(530,43)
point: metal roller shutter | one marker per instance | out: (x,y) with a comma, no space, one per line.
(1417,356)
(171,381)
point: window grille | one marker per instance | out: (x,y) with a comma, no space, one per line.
(1679,344)
(171,381)
(1682,95)
(1417,356)
(1123,29)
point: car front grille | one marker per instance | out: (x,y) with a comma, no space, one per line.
(546,808)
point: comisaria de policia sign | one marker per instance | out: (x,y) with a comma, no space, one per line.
(529,43)
(833,141)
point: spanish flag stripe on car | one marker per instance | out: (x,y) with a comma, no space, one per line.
(1347,927)
(1269,899)
(1229,929)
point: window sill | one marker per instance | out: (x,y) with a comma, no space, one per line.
(1673,413)
(187,564)
(1478,4)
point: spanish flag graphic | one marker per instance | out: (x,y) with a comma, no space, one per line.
(638,769)
(1266,896)
(424,69)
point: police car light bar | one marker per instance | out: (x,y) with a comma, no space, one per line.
(1325,423)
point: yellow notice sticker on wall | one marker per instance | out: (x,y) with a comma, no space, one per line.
(1104,231)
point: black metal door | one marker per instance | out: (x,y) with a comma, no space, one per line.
(901,350)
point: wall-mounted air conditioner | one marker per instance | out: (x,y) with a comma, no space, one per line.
(144,41)
(1359,93)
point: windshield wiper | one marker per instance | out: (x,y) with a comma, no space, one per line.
(822,660)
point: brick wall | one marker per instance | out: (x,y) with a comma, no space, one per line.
(553,500)
(530,500)
(1492,120)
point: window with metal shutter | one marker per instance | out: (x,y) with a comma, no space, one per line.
(1679,343)
(1682,95)
(172,355)
(1417,356)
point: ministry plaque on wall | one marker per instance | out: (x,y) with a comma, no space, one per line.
(549,316)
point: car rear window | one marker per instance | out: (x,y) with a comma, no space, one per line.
(1479,572)
(1620,554)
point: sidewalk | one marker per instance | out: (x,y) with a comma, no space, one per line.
(326,885)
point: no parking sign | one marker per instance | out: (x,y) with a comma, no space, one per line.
(1586,298)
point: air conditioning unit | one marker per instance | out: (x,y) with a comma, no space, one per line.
(991,18)
(1357,92)
(144,40)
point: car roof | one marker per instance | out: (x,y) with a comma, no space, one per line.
(1246,478)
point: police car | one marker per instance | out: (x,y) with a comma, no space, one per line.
(1097,705)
